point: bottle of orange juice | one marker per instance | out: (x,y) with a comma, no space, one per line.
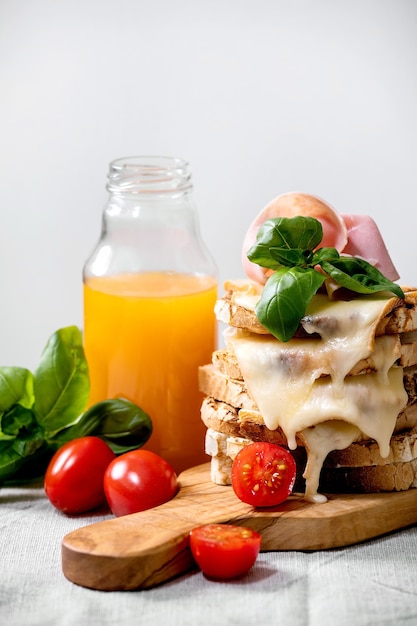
(150,287)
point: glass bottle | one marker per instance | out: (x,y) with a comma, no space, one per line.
(150,287)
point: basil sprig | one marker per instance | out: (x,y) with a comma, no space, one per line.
(41,411)
(289,246)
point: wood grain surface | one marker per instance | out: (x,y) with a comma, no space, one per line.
(145,549)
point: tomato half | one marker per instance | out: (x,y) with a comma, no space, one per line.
(224,551)
(74,477)
(138,480)
(263,474)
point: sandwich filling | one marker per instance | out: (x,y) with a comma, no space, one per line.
(336,386)
(302,366)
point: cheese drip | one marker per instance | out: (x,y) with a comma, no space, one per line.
(303,385)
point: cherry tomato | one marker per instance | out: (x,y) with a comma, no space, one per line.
(263,474)
(138,480)
(74,477)
(224,551)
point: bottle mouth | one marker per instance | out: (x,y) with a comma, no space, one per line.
(149,175)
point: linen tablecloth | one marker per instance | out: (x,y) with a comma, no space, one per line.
(371,583)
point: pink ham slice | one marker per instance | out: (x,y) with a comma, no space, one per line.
(365,240)
(350,234)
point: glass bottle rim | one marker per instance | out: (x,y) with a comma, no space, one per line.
(149,175)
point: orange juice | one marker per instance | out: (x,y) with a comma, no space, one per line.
(145,336)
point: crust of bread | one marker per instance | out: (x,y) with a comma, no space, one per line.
(403,448)
(215,384)
(233,419)
(225,361)
(248,424)
(232,422)
(370,479)
(237,316)
(232,391)
(398,316)
(396,473)
(408,349)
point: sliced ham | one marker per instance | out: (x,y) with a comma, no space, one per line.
(356,235)
(365,240)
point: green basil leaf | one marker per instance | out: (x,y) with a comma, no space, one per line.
(15,420)
(358,275)
(274,258)
(285,298)
(260,254)
(324,254)
(304,233)
(123,425)
(291,258)
(20,434)
(16,387)
(289,247)
(61,381)
(16,453)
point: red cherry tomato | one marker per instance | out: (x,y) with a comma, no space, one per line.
(74,477)
(223,551)
(138,480)
(263,474)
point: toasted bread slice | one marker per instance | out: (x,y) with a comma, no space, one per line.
(233,392)
(233,418)
(248,424)
(225,361)
(398,472)
(237,309)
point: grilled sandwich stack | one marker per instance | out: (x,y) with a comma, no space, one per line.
(341,394)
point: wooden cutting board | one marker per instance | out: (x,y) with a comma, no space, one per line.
(145,549)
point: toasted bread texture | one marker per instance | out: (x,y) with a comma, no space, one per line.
(237,309)
(359,469)
(233,418)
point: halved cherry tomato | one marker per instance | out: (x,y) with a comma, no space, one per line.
(138,480)
(74,477)
(224,551)
(263,474)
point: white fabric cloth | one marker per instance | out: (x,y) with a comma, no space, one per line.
(368,584)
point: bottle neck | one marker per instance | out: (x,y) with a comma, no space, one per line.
(150,221)
(148,190)
(147,177)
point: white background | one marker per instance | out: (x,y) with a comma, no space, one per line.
(261,97)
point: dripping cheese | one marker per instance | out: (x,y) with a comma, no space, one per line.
(304,385)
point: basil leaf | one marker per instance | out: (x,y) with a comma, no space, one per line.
(286,242)
(61,381)
(14,454)
(123,425)
(41,412)
(14,421)
(260,254)
(291,258)
(289,246)
(358,275)
(16,387)
(304,233)
(324,254)
(285,298)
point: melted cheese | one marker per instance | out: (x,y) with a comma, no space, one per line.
(245,294)
(303,385)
